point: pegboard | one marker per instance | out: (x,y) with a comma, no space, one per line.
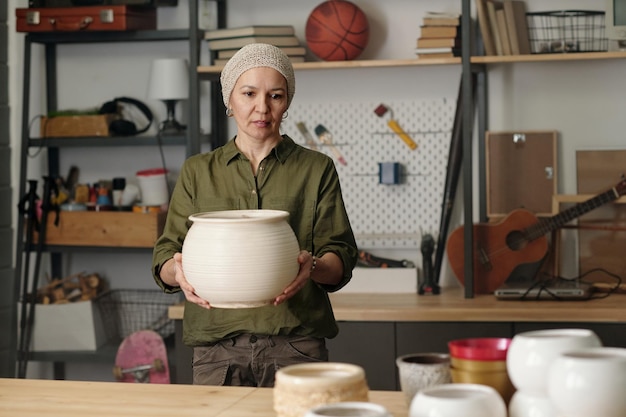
(385,215)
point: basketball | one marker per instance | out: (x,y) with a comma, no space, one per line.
(337,30)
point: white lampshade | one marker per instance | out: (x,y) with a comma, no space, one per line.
(169,79)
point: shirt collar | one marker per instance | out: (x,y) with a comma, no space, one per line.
(281,151)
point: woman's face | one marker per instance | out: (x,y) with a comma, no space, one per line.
(258,101)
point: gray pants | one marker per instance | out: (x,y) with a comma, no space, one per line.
(252,360)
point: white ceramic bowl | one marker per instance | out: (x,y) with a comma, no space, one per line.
(301,387)
(530,405)
(589,382)
(454,400)
(531,353)
(349,409)
(240,258)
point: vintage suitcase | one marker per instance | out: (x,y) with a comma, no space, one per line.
(87,18)
(74,3)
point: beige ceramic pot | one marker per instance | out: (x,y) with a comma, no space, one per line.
(240,258)
(302,387)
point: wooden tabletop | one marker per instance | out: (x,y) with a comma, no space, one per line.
(451,305)
(47,398)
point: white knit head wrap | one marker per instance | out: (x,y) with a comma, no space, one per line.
(253,56)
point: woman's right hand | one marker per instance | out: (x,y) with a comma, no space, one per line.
(185,286)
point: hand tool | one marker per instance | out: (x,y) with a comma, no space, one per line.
(310,142)
(380,111)
(327,139)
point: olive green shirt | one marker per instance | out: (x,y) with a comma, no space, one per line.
(291,178)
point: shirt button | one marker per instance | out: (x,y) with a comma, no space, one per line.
(253,339)
(253,191)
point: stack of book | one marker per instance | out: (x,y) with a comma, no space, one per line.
(503,27)
(440,36)
(223,43)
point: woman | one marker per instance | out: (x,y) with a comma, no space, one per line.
(261,169)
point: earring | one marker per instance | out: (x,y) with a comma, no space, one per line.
(285,114)
(229,112)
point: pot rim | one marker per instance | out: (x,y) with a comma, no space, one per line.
(239,216)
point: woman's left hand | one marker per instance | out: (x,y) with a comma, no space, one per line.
(305,259)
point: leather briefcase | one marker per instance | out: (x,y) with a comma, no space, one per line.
(87,18)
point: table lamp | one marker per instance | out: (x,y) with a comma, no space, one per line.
(169,82)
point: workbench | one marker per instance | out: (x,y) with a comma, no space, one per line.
(48,398)
(376,328)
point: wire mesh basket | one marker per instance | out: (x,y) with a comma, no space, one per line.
(126,311)
(566,31)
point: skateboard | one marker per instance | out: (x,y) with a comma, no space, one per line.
(142,357)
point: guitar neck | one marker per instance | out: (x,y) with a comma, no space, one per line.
(559,220)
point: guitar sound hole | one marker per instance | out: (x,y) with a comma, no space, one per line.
(516,240)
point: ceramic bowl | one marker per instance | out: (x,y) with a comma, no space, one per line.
(589,382)
(240,258)
(302,387)
(531,353)
(420,370)
(349,409)
(477,365)
(454,400)
(480,348)
(530,405)
(498,380)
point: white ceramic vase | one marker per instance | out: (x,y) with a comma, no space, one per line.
(531,353)
(240,258)
(589,382)
(454,400)
(528,360)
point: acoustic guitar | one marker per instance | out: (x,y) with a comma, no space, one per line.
(517,245)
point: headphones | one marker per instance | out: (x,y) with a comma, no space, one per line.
(121,127)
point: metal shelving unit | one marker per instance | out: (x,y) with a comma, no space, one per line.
(192,141)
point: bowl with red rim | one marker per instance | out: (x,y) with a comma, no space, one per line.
(480,348)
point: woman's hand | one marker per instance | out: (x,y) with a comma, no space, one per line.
(185,286)
(305,259)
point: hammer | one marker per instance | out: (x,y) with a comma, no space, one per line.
(393,124)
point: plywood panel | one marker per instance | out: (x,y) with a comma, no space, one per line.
(521,171)
(602,232)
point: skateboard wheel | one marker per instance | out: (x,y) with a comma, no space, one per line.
(117,373)
(158,365)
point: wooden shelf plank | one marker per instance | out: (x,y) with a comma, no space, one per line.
(318,65)
(212,70)
(580,56)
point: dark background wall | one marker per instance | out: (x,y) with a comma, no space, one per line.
(7,303)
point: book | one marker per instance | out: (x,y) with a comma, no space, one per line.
(440,31)
(438,42)
(492,6)
(288,50)
(503,32)
(262,30)
(515,13)
(223,61)
(440,50)
(485,29)
(234,43)
(433,55)
(441,19)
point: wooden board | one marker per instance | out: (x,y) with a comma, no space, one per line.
(601,233)
(104,228)
(48,398)
(518,171)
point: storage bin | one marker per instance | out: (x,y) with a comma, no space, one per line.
(566,31)
(125,311)
(104,228)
